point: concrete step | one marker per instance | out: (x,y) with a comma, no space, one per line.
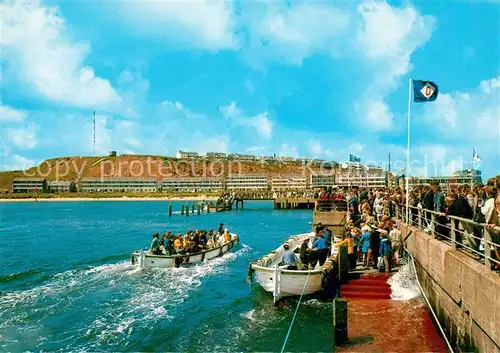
(366,288)
(364,295)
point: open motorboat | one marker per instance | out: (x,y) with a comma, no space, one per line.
(144,258)
(282,282)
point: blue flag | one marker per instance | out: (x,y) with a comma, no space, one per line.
(424,91)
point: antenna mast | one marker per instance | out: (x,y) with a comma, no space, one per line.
(94,131)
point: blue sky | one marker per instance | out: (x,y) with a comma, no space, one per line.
(316,79)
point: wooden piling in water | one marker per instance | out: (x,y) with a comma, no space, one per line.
(192,208)
(187,210)
(199,211)
(340,321)
(170,210)
(343,258)
(182,209)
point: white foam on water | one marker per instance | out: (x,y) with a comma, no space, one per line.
(404,284)
(141,298)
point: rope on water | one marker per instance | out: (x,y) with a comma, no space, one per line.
(295,313)
(428,303)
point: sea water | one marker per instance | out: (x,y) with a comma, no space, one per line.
(66,282)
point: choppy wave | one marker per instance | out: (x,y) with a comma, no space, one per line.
(123,298)
(20,275)
(404,284)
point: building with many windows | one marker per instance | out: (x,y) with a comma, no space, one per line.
(289,182)
(247,181)
(118,185)
(322,180)
(192,184)
(472,174)
(365,180)
(58,185)
(443,181)
(27,185)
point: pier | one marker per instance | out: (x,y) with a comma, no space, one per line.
(293,203)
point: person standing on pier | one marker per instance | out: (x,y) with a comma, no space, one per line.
(320,245)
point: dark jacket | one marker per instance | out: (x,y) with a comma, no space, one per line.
(428,200)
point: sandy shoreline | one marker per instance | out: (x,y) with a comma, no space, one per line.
(125,198)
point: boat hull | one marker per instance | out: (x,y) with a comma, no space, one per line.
(282,282)
(145,259)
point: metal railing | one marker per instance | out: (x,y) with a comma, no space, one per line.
(476,239)
(330,206)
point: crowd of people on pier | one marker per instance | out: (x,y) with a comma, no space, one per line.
(430,206)
(190,242)
(372,237)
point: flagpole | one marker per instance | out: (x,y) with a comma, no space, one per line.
(473,172)
(408,155)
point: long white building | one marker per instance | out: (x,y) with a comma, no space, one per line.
(118,185)
(27,185)
(288,182)
(322,180)
(247,181)
(192,184)
(367,180)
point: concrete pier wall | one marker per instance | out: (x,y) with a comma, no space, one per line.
(463,293)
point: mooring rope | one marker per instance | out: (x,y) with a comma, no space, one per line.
(428,303)
(295,313)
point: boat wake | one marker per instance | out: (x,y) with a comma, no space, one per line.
(125,297)
(404,284)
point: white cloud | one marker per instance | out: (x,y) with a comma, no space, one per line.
(387,36)
(24,137)
(231,110)
(257,149)
(488,85)
(202,24)
(40,53)
(10,114)
(460,113)
(288,151)
(260,122)
(380,37)
(133,142)
(356,147)
(314,147)
(377,114)
(293,32)
(17,162)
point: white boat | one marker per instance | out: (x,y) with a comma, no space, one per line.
(282,282)
(144,258)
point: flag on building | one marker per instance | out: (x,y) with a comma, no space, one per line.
(475,157)
(424,91)
(353,158)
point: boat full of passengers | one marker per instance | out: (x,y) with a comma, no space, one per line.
(185,249)
(275,275)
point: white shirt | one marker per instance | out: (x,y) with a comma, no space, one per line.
(488,208)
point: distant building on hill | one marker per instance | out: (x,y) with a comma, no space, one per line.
(187,155)
(216,155)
